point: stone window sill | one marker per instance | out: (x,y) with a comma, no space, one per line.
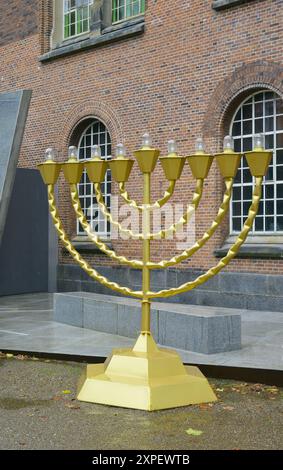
(259,247)
(109,34)
(222,4)
(84,245)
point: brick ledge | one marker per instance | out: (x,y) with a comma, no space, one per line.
(222,4)
(105,38)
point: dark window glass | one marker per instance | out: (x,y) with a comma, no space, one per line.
(259,224)
(279,140)
(247,193)
(237,224)
(269,191)
(237,193)
(247,111)
(247,127)
(258,125)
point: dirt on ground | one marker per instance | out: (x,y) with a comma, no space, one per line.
(39,410)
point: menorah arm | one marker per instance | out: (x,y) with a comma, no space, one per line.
(226,259)
(162,233)
(93,237)
(156,205)
(77,257)
(223,209)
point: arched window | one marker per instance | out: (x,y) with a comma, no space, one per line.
(95,134)
(260,113)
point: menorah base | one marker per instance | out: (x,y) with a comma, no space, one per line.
(144,378)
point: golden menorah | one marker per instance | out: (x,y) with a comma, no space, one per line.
(146,376)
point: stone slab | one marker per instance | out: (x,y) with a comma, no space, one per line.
(13,113)
(192,328)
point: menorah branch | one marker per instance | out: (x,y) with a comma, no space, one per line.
(77,257)
(156,205)
(93,237)
(226,259)
(223,209)
(162,234)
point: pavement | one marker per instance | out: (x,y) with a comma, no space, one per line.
(26,324)
(39,410)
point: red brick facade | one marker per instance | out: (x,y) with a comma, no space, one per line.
(182,78)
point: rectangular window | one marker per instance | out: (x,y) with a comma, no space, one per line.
(124,9)
(76,17)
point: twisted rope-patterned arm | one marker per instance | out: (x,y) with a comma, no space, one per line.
(159,203)
(77,257)
(224,261)
(162,233)
(223,209)
(93,237)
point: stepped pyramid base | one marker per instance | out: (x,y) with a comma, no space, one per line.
(144,378)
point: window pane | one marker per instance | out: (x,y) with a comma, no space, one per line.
(280,224)
(259,224)
(236,224)
(269,207)
(258,109)
(236,128)
(279,106)
(258,125)
(269,224)
(247,193)
(280,173)
(247,144)
(269,108)
(237,193)
(279,140)
(247,111)
(269,191)
(247,127)
(269,124)
(280,190)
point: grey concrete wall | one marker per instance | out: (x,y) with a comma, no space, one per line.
(13,113)
(180,326)
(227,289)
(24,247)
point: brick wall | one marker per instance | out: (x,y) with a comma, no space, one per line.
(18,20)
(182,77)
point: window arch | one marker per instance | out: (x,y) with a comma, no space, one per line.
(95,133)
(262,113)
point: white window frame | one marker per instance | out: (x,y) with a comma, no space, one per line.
(123,4)
(275,164)
(75,9)
(86,189)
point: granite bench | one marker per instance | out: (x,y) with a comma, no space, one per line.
(195,328)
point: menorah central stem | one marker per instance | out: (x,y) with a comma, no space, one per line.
(145,323)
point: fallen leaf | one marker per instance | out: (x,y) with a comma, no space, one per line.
(9,356)
(73,407)
(66,392)
(272,390)
(228,408)
(56,398)
(204,406)
(21,357)
(220,389)
(35,359)
(193,432)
